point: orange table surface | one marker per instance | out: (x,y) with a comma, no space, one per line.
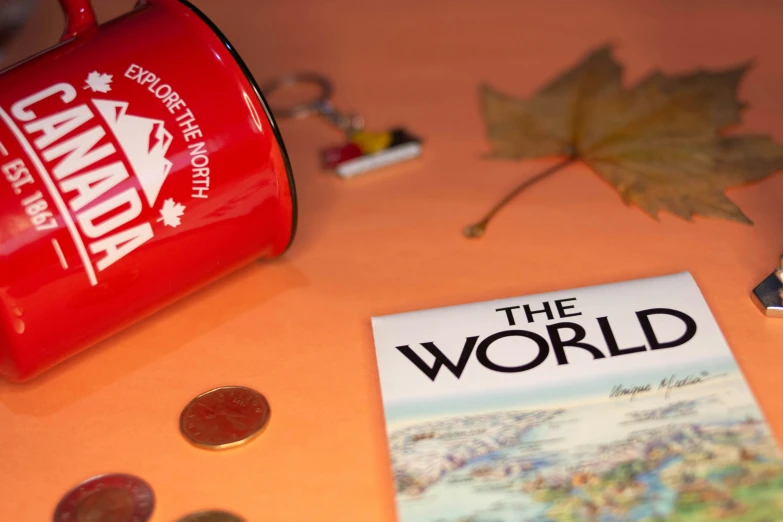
(298,328)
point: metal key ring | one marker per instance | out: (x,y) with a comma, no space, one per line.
(319,105)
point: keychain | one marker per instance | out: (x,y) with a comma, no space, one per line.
(768,295)
(364,150)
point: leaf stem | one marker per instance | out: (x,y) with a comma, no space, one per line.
(477,229)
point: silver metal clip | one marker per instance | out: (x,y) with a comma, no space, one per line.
(768,295)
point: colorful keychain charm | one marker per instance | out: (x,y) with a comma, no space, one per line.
(364,150)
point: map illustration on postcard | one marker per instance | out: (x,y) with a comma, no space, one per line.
(613,403)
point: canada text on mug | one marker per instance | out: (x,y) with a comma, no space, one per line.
(64,138)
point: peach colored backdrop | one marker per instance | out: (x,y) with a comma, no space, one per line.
(298,329)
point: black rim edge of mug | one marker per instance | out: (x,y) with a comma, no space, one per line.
(249,76)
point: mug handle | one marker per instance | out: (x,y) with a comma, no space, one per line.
(79,17)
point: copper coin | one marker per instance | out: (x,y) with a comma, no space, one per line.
(211,516)
(224,417)
(107,498)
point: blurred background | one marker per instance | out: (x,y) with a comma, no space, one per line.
(13,15)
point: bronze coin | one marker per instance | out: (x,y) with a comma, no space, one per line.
(211,516)
(107,498)
(224,417)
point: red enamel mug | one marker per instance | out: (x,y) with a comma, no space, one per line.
(138,162)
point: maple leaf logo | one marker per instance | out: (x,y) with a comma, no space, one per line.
(171,212)
(98,82)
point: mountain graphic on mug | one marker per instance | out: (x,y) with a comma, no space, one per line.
(145,142)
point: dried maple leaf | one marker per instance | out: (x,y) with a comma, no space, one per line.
(98,82)
(659,142)
(171,212)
